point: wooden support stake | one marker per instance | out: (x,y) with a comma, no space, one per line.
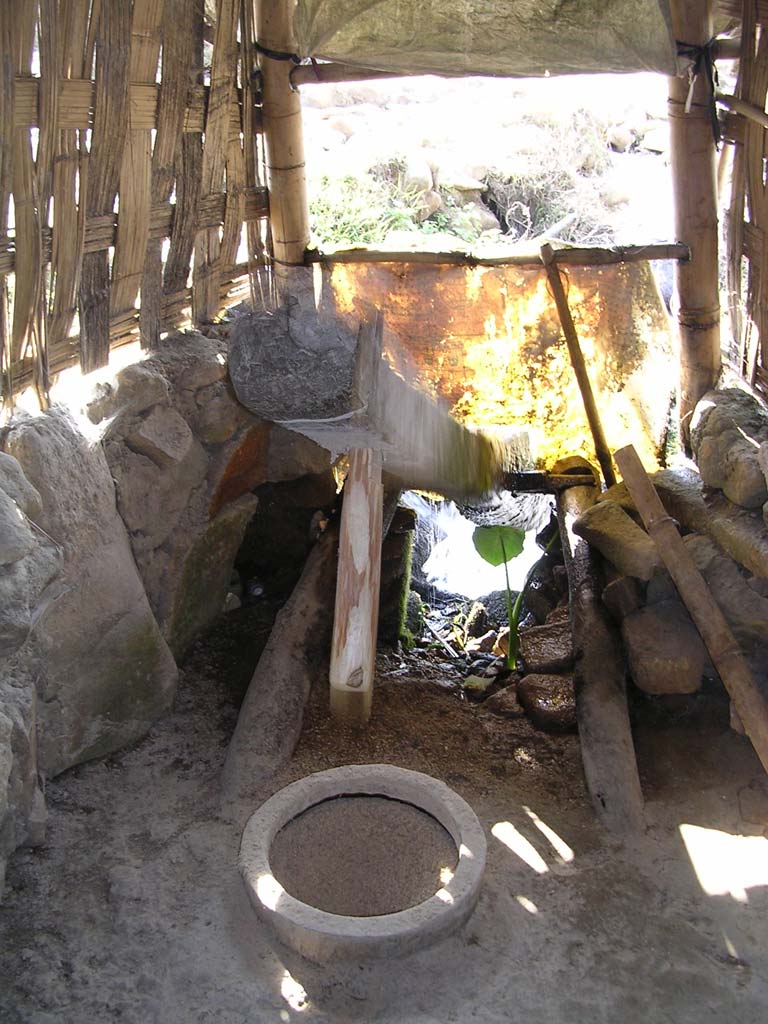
(697,597)
(356,616)
(607,750)
(577,361)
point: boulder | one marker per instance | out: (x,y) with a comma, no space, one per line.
(727,430)
(608,528)
(184,465)
(16,537)
(664,649)
(22,806)
(504,703)
(550,701)
(15,485)
(622,596)
(102,670)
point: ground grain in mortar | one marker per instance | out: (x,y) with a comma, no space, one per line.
(362,855)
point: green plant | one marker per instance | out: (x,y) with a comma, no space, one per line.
(498,545)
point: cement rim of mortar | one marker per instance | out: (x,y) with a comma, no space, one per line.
(321,936)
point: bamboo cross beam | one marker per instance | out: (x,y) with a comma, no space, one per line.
(697,597)
(577,361)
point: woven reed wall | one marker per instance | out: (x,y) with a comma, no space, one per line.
(130,174)
(747,216)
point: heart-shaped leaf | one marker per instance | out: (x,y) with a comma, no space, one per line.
(498,544)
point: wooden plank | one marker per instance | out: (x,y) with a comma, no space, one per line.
(110,125)
(607,750)
(722,645)
(356,610)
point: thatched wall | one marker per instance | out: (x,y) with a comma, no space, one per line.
(129,175)
(747,218)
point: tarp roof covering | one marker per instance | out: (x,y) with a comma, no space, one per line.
(520,38)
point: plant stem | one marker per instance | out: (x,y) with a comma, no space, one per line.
(512,652)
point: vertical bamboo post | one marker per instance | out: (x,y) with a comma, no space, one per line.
(695,192)
(356,616)
(602,450)
(281,113)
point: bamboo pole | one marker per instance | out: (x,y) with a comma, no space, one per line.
(695,192)
(356,615)
(579,366)
(697,597)
(281,114)
(588,256)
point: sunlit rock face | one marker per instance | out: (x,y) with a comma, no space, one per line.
(487,341)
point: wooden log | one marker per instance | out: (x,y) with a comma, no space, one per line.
(281,120)
(316,377)
(697,597)
(607,750)
(270,718)
(356,613)
(602,450)
(695,190)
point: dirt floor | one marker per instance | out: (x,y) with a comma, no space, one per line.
(134,912)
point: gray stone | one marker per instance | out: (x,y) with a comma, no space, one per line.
(745,610)
(16,538)
(504,703)
(548,648)
(150,499)
(622,596)
(137,388)
(292,455)
(665,652)
(608,528)
(22,807)
(16,486)
(26,590)
(727,429)
(218,420)
(205,574)
(163,437)
(550,701)
(740,532)
(103,671)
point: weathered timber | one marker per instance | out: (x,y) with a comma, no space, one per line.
(270,718)
(697,597)
(314,375)
(607,750)
(356,615)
